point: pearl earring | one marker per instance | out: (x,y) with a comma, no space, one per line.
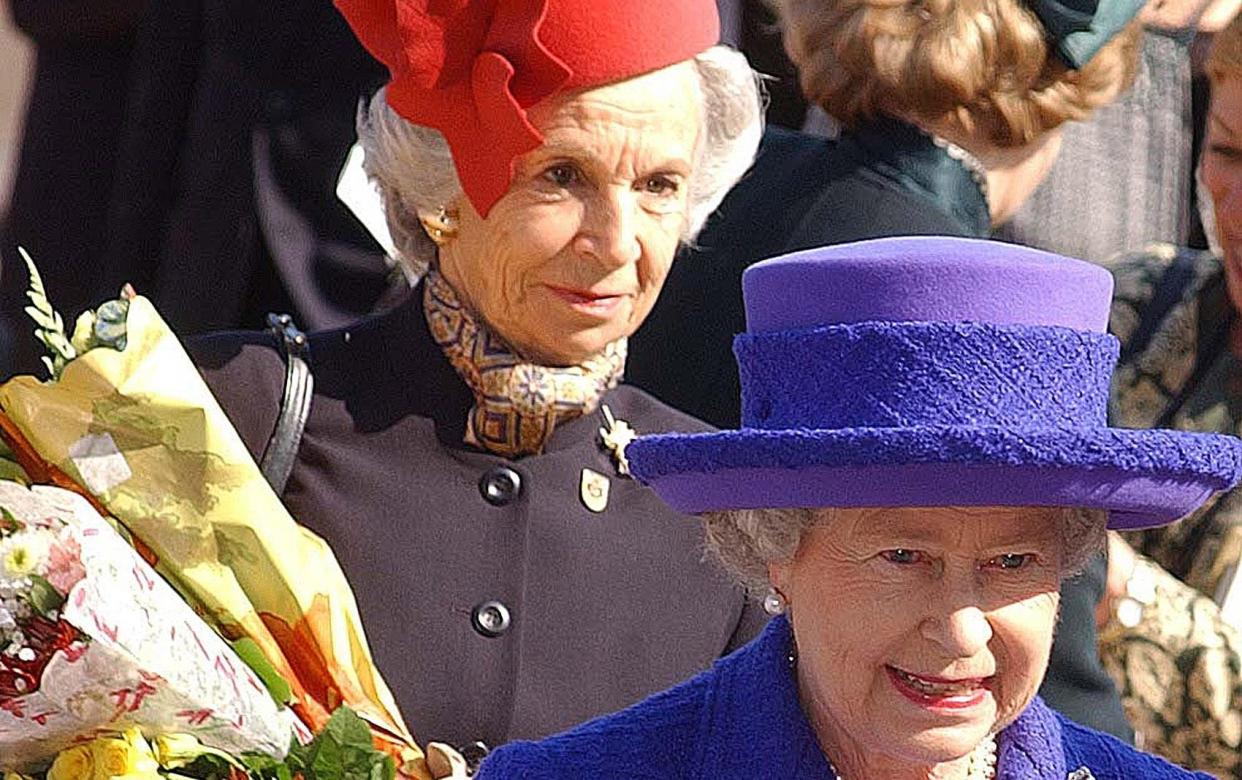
(774,602)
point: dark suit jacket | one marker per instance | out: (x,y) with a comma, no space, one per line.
(886,180)
(604,608)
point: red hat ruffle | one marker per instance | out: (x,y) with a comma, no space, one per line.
(472,68)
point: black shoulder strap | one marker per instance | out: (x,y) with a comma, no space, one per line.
(282,447)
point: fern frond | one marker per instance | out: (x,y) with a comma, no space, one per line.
(51,328)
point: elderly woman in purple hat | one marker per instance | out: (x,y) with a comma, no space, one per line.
(918,469)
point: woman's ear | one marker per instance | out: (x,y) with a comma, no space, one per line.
(778,577)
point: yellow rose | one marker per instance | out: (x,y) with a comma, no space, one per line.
(73,763)
(129,755)
(174,751)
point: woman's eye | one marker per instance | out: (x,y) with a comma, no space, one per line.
(1226,151)
(1011,560)
(661,185)
(902,556)
(562,175)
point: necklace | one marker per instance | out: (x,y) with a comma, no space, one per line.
(981,765)
(971,163)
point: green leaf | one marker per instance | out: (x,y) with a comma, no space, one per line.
(51,330)
(43,320)
(9,470)
(8,522)
(250,654)
(44,599)
(384,769)
(329,761)
(342,751)
(205,767)
(266,767)
(346,728)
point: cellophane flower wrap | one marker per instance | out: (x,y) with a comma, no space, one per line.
(130,420)
(94,641)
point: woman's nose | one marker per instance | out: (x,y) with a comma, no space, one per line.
(961,632)
(609,231)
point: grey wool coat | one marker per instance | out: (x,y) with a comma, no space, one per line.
(497,605)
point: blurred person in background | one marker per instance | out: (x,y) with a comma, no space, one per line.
(1140,151)
(214,190)
(463,450)
(1176,312)
(222,209)
(59,200)
(192,148)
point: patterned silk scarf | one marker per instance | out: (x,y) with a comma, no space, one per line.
(517,404)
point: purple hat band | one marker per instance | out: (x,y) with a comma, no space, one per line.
(932,371)
(908,374)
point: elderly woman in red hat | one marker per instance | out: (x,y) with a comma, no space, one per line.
(540,163)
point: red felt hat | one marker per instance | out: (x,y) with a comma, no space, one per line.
(471,68)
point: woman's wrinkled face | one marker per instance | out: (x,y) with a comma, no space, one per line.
(574,255)
(921,630)
(1222,174)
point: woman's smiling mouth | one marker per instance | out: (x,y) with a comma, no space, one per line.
(601,305)
(936,693)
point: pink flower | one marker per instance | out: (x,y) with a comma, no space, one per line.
(64,565)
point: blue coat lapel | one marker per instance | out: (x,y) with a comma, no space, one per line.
(1030,747)
(752,734)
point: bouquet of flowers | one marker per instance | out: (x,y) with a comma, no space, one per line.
(95,641)
(128,425)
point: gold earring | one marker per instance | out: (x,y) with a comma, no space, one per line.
(440,227)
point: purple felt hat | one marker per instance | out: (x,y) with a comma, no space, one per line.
(932,372)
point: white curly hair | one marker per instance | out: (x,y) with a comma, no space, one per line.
(413,168)
(745,541)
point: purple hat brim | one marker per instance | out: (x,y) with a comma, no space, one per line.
(1144,478)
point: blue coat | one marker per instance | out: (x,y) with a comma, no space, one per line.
(741,720)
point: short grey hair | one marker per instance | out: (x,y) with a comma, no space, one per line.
(413,168)
(746,541)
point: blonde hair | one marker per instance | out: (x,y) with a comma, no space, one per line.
(984,66)
(1225,61)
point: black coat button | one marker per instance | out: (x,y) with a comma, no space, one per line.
(500,486)
(491,619)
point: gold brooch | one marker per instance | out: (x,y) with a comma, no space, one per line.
(616,435)
(593,490)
